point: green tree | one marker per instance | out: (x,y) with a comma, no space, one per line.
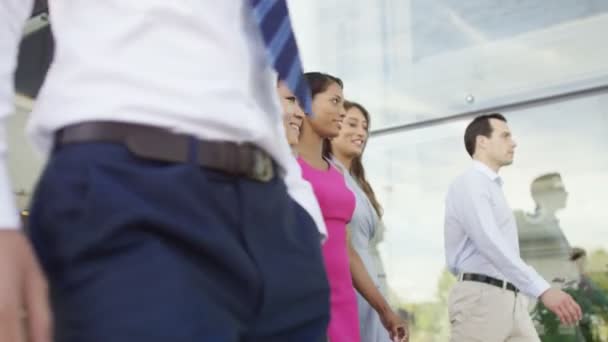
(446,281)
(591,294)
(430,321)
(598,268)
(598,273)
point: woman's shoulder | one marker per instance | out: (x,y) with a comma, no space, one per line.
(335,164)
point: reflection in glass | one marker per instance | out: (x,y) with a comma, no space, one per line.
(560,174)
(412,60)
(542,243)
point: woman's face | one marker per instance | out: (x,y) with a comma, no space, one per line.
(292,114)
(328,111)
(353,134)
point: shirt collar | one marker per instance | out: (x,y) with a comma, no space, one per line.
(483,168)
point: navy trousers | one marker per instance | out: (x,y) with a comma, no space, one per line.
(139,250)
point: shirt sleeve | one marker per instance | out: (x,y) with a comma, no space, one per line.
(13,14)
(480,225)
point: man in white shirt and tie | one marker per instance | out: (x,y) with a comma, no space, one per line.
(481,245)
(170,208)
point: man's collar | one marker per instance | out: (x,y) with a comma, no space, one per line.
(483,168)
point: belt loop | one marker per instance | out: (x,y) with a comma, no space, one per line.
(460,276)
(504,284)
(193,145)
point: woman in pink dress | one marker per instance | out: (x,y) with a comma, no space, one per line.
(337,202)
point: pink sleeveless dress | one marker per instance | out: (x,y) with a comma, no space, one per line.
(337,204)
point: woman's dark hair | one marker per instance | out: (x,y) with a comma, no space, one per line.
(319,82)
(356,168)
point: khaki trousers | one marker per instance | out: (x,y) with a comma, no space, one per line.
(486,313)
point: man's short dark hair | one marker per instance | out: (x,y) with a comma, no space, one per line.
(479,126)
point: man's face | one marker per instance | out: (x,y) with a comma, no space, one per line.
(500,146)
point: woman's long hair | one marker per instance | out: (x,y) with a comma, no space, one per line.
(356,168)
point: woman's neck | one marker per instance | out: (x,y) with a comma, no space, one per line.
(347,162)
(310,148)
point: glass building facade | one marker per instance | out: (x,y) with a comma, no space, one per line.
(424,69)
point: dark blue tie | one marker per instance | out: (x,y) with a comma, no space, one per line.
(272,17)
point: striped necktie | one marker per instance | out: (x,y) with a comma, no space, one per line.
(272,17)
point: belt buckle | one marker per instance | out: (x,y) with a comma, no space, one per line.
(262,169)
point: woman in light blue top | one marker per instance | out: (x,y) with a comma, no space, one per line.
(365,226)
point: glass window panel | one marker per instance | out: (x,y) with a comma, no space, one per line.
(411,171)
(412,60)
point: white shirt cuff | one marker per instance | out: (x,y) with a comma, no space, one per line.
(539,287)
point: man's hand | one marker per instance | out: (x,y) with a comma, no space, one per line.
(561,304)
(24,308)
(398,329)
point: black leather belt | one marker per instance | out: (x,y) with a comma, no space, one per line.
(489,280)
(244,160)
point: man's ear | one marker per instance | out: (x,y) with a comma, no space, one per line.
(480,142)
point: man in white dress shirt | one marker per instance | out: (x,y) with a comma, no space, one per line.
(170,208)
(481,245)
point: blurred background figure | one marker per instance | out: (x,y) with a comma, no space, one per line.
(543,244)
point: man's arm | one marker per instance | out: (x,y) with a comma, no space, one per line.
(9,219)
(23,290)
